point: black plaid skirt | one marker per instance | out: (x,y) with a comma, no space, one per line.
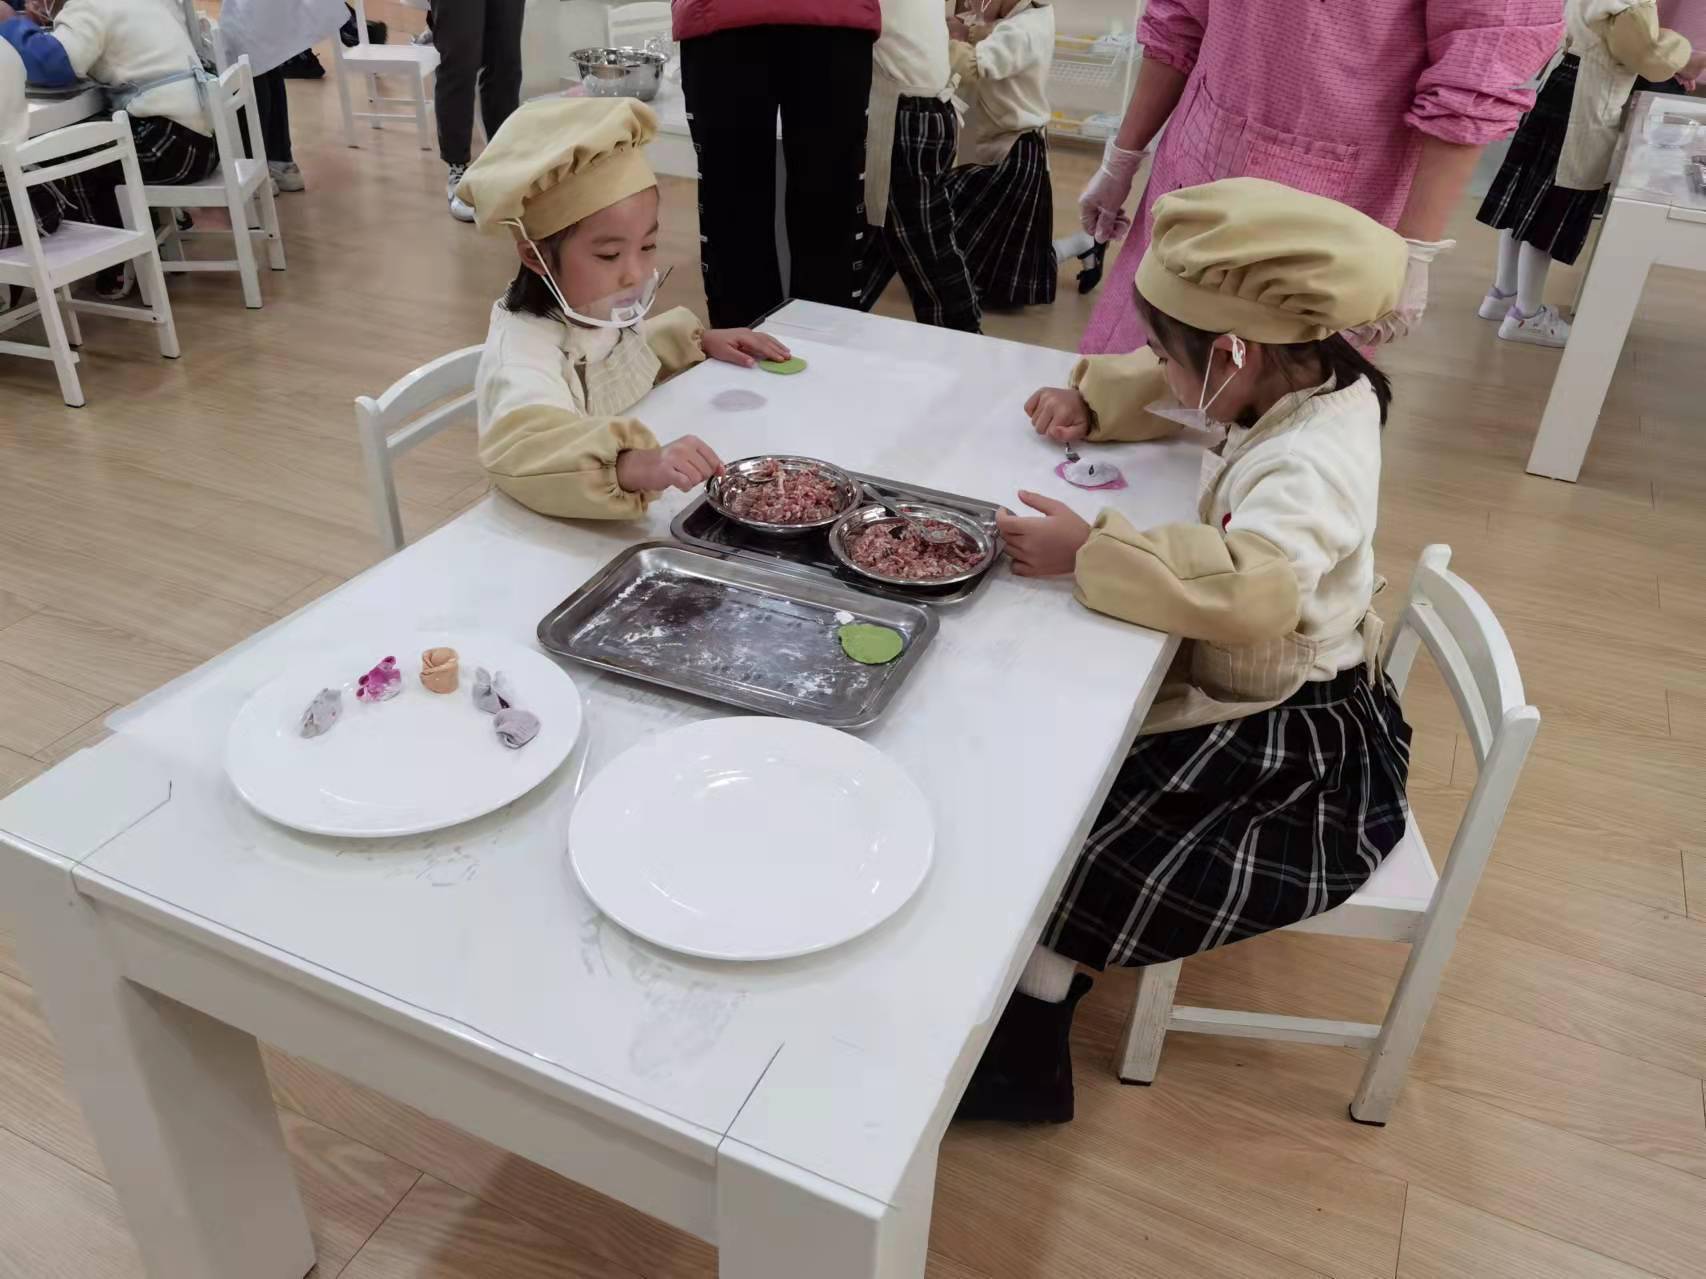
(167,153)
(1214,834)
(1005,216)
(49,204)
(1523,199)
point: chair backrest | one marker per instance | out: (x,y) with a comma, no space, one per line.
(360,7)
(629,26)
(413,410)
(210,45)
(63,153)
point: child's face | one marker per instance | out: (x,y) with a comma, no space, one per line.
(1225,403)
(610,254)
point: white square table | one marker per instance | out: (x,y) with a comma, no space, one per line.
(48,114)
(788,1112)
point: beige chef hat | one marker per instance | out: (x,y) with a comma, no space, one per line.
(1252,257)
(558,160)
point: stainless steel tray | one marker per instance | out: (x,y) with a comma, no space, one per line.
(700,525)
(728,628)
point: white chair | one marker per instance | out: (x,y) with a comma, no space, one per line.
(411,412)
(414,62)
(50,264)
(209,45)
(630,26)
(1405,900)
(241,183)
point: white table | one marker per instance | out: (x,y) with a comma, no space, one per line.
(47,114)
(1655,219)
(789,1112)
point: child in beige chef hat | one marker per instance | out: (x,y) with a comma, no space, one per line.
(571,348)
(1267,782)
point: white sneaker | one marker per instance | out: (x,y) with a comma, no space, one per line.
(1544,328)
(1495,304)
(286,176)
(459,208)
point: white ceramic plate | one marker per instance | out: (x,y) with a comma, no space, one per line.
(751,838)
(418,762)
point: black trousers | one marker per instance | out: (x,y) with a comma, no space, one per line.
(479,46)
(272,105)
(735,82)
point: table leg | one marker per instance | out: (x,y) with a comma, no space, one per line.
(1610,294)
(776,1221)
(178,1102)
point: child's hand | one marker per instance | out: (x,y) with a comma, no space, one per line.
(1060,413)
(741,346)
(684,464)
(1045,547)
(1692,71)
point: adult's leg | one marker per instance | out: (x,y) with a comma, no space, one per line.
(731,108)
(272,105)
(824,89)
(921,231)
(459,30)
(500,69)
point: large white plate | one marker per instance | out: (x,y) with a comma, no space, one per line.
(418,762)
(751,838)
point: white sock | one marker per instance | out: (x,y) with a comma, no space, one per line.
(1504,284)
(1071,246)
(1532,266)
(1047,976)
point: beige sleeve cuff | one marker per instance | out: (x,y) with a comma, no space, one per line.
(560,463)
(1189,580)
(1638,42)
(1118,388)
(675,338)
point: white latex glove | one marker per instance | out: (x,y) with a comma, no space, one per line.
(1412,296)
(1101,207)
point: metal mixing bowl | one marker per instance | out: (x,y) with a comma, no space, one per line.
(858,520)
(619,73)
(722,489)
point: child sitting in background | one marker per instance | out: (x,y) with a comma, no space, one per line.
(570,349)
(46,203)
(1002,196)
(1267,783)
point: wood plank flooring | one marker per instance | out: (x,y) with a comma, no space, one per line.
(1553,1124)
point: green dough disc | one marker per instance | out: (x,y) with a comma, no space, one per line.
(791,365)
(872,645)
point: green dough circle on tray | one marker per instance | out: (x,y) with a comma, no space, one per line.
(791,365)
(872,645)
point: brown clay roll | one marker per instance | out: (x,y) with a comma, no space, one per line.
(440,670)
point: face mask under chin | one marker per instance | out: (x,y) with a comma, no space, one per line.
(616,311)
(1173,410)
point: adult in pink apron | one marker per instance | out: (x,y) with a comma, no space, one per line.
(1383,106)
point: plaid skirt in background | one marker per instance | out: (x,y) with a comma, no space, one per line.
(168,153)
(1522,199)
(49,203)
(1005,217)
(1214,834)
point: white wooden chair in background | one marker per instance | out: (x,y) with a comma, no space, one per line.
(242,183)
(413,410)
(413,62)
(51,264)
(1405,900)
(629,26)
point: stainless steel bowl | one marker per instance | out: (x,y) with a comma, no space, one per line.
(858,520)
(619,73)
(723,489)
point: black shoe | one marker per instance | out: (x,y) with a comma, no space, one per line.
(304,66)
(1025,1076)
(1090,273)
(376,31)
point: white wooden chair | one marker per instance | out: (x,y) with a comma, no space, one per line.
(243,182)
(51,264)
(413,62)
(414,409)
(1405,900)
(629,26)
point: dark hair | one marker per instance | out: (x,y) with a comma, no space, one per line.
(1334,353)
(528,294)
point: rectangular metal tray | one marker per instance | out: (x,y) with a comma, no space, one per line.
(737,631)
(699,525)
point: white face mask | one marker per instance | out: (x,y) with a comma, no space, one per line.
(1198,417)
(619,311)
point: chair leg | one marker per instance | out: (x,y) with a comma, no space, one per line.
(244,243)
(73,326)
(343,100)
(269,223)
(373,102)
(420,113)
(1140,1052)
(151,280)
(1406,1017)
(64,362)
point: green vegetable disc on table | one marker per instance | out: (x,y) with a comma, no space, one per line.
(872,645)
(792,365)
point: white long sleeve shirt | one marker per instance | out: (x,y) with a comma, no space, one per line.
(1010,96)
(119,42)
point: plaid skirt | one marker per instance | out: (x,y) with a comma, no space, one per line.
(1522,199)
(167,153)
(1214,834)
(49,204)
(1005,217)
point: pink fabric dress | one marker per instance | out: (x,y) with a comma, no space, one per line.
(1328,96)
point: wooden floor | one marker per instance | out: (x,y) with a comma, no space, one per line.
(1553,1124)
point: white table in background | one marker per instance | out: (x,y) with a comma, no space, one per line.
(1656,218)
(789,1112)
(48,114)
